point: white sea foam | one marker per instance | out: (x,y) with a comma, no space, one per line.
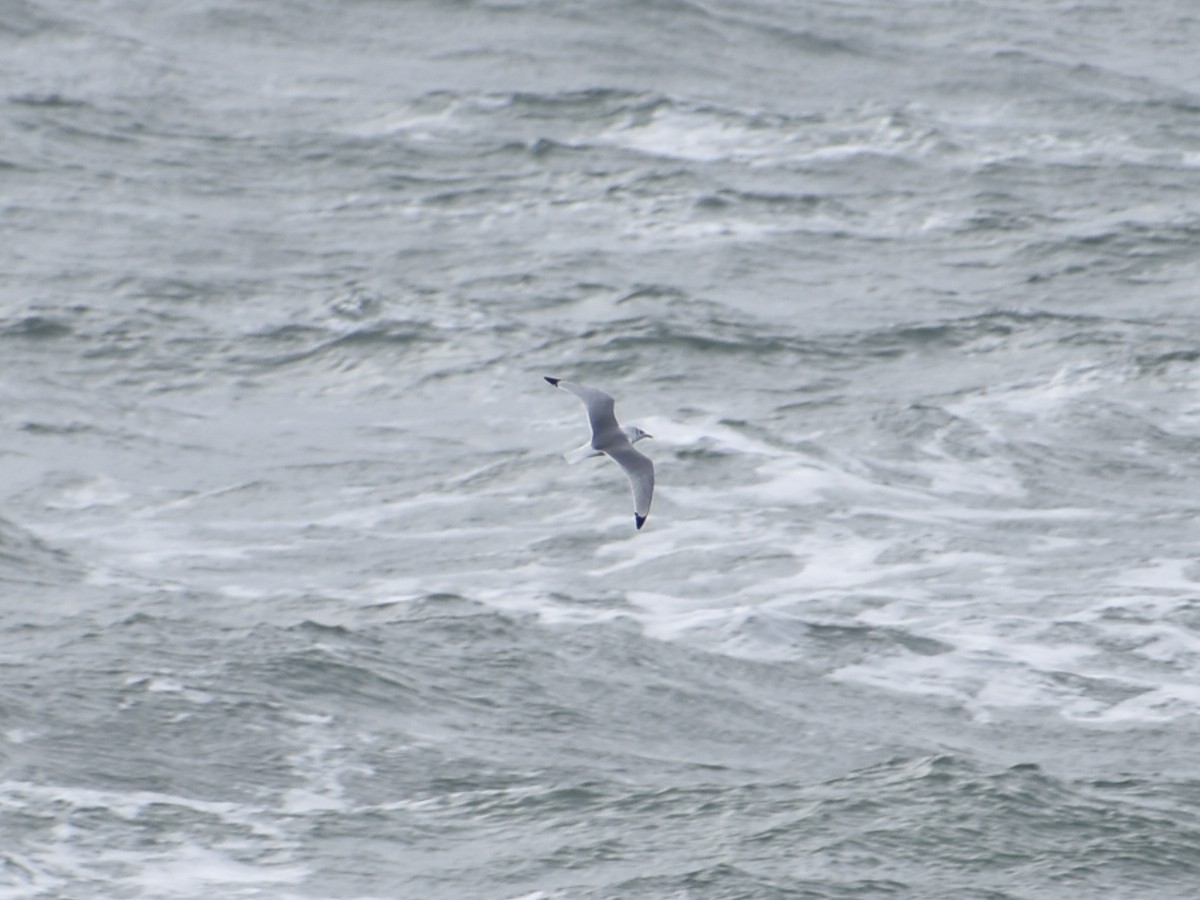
(102,491)
(1157,703)
(321,765)
(188,869)
(710,135)
(260,856)
(697,135)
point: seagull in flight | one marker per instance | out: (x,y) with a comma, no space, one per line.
(610,439)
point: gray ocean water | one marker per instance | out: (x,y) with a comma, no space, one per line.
(298,598)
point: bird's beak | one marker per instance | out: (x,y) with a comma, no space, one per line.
(647,435)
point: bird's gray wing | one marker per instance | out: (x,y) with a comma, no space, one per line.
(598,404)
(640,470)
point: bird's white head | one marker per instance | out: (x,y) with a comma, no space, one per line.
(635,434)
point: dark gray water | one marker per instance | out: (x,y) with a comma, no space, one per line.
(300,599)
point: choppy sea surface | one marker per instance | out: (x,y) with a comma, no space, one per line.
(298,598)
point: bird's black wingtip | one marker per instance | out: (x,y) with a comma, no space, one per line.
(641,520)
(553,381)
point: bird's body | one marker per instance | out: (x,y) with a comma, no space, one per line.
(610,439)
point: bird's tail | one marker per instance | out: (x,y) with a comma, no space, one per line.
(579,454)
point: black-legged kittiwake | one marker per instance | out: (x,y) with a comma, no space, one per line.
(609,438)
